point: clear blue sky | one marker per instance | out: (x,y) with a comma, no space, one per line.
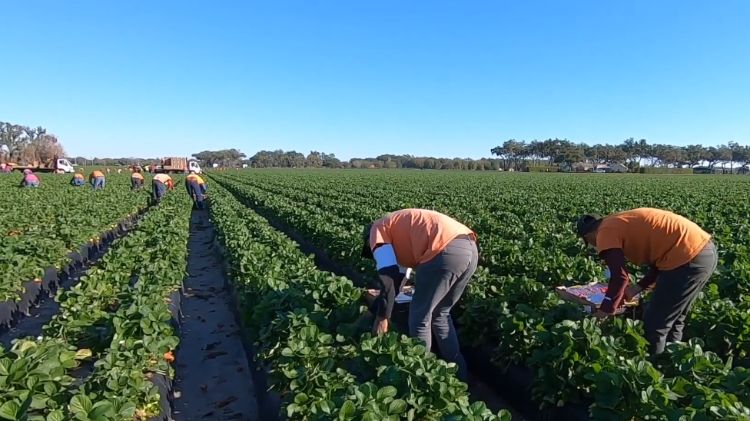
(362,78)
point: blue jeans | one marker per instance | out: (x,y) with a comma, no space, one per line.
(98,183)
(439,285)
(158,190)
(78,182)
(196,192)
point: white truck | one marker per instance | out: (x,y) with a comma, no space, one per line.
(176,165)
(56,165)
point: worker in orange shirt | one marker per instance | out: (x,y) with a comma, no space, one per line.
(681,259)
(159,186)
(444,254)
(196,188)
(78,180)
(136,180)
(97,179)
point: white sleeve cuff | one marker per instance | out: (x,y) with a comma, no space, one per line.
(384,256)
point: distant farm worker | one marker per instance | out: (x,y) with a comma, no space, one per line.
(29,179)
(78,180)
(681,259)
(136,180)
(159,186)
(196,188)
(97,179)
(444,253)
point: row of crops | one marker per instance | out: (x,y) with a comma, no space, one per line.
(42,228)
(107,350)
(309,329)
(524,226)
(106,353)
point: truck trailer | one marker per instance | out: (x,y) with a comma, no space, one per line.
(176,165)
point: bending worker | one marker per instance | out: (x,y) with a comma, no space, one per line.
(136,180)
(444,253)
(159,186)
(681,257)
(78,180)
(97,179)
(29,179)
(196,188)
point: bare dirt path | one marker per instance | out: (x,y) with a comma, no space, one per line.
(213,376)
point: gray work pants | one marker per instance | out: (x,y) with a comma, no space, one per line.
(438,287)
(674,294)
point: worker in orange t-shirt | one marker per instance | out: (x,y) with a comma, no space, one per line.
(159,186)
(196,188)
(78,180)
(97,179)
(444,254)
(136,179)
(681,259)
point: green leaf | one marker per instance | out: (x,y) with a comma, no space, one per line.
(10,410)
(81,404)
(396,407)
(347,411)
(387,392)
(102,409)
(56,415)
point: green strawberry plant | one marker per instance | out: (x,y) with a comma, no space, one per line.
(524,224)
(308,329)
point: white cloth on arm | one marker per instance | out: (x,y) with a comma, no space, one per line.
(384,256)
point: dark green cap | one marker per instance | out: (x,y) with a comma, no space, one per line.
(587,223)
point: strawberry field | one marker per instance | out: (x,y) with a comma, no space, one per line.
(44,227)
(105,350)
(117,267)
(524,224)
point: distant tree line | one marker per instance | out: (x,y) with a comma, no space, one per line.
(631,152)
(315,159)
(23,144)
(27,145)
(518,155)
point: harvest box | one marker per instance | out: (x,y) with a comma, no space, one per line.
(590,295)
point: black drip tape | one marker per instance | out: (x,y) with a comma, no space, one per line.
(162,382)
(269,402)
(36,290)
(514,385)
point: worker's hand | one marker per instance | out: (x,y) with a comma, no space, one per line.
(631,291)
(380,326)
(600,314)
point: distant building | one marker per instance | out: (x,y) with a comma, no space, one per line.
(583,167)
(617,168)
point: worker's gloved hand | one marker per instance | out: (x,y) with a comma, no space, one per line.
(632,291)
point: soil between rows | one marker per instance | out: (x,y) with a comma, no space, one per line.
(213,375)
